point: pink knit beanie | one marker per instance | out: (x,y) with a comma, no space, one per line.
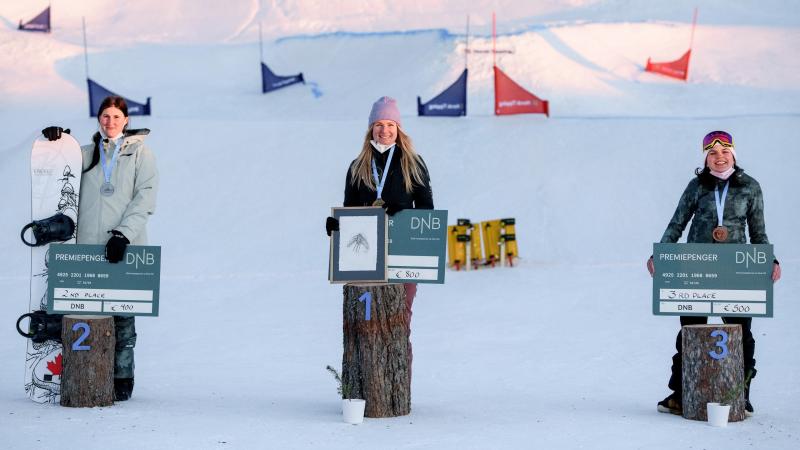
(385,108)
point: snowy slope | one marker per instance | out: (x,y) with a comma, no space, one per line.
(563,348)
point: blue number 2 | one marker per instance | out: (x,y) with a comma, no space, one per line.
(366,297)
(721,343)
(77,344)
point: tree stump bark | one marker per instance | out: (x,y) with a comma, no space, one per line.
(87,379)
(375,363)
(708,378)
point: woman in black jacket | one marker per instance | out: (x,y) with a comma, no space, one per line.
(389,173)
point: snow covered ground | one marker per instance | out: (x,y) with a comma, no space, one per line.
(559,352)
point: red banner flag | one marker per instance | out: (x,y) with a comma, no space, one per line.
(676,69)
(511,98)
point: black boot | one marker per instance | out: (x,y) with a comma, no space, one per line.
(671,404)
(748,407)
(123,389)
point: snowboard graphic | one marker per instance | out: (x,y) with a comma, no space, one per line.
(55,185)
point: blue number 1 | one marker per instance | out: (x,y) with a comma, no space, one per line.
(721,343)
(77,344)
(366,297)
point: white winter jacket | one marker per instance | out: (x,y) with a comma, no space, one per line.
(135,180)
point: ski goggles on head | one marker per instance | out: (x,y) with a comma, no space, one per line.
(721,137)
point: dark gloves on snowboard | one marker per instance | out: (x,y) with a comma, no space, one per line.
(115,248)
(392,209)
(331,224)
(54,133)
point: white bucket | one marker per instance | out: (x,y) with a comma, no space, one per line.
(718,414)
(353,410)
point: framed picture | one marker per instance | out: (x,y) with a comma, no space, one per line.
(358,249)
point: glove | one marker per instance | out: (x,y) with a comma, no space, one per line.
(331,224)
(54,133)
(115,247)
(392,209)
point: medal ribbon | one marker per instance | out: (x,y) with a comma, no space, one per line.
(720,203)
(379,182)
(108,169)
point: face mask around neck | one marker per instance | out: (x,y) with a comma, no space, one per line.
(113,138)
(382,148)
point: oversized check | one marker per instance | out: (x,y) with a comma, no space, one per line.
(417,246)
(712,280)
(82,281)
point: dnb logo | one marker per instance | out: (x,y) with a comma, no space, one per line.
(141,258)
(755,257)
(422,224)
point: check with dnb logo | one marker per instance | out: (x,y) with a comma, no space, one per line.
(82,281)
(712,280)
(417,246)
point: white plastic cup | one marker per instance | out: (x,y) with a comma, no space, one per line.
(353,410)
(718,414)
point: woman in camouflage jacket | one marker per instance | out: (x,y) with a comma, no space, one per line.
(743,209)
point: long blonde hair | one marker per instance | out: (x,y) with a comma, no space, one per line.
(410,163)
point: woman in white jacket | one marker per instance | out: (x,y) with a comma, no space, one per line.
(117,196)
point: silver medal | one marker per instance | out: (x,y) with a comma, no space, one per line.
(107,189)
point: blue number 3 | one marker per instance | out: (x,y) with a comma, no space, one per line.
(721,343)
(77,344)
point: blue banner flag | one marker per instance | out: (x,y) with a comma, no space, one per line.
(38,23)
(451,102)
(271,82)
(98,93)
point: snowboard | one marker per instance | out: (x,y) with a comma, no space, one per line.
(491,241)
(464,245)
(508,236)
(56,168)
(457,241)
(455,252)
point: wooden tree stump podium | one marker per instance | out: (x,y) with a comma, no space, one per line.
(375,360)
(87,377)
(708,378)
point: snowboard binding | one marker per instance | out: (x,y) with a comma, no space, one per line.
(59,227)
(42,327)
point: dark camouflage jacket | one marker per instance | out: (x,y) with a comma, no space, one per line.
(744,207)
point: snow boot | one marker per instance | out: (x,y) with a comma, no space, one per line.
(748,407)
(123,389)
(672,404)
